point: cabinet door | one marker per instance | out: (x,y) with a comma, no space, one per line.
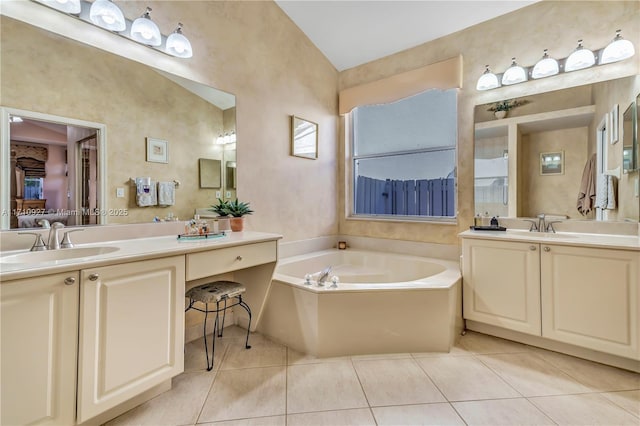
(131,332)
(590,298)
(501,284)
(39,318)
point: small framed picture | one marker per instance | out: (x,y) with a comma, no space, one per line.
(614,117)
(552,163)
(157,150)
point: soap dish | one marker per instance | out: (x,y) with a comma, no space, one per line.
(211,235)
(488,228)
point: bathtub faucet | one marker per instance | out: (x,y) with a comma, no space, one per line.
(323,276)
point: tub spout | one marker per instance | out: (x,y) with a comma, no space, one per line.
(323,276)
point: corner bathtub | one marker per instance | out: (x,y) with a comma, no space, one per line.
(384,303)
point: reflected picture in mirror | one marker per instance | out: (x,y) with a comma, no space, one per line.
(304,138)
(533,179)
(132,101)
(210,173)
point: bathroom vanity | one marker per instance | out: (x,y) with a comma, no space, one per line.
(110,325)
(570,292)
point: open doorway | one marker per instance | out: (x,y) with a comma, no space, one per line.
(53,169)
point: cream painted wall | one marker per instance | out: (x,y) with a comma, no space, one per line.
(524,34)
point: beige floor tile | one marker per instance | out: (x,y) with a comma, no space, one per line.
(629,400)
(254,421)
(465,378)
(322,387)
(396,382)
(478,343)
(381,356)
(531,375)
(263,353)
(355,417)
(585,409)
(298,358)
(195,355)
(456,350)
(425,414)
(178,406)
(248,392)
(498,412)
(597,377)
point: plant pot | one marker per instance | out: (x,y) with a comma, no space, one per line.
(223,224)
(237,223)
(500,114)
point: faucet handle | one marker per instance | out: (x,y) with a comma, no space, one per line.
(550,226)
(534,225)
(541,216)
(44,223)
(38,244)
(57,225)
(66,241)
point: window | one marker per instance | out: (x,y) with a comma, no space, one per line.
(404,157)
(33,188)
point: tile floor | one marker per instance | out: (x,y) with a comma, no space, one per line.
(482,381)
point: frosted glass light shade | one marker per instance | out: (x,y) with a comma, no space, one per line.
(107,15)
(487,80)
(619,49)
(66,6)
(514,74)
(545,67)
(580,58)
(145,31)
(178,45)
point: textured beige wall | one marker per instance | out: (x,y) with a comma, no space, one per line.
(524,34)
(253,50)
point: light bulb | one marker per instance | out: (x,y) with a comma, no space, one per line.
(66,6)
(178,45)
(514,74)
(487,80)
(107,15)
(619,49)
(145,31)
(580,58)
(545,67)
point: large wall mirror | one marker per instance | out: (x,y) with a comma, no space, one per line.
(46,75)
(576,124)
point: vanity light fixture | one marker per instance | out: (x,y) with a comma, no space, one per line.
(66,6)
(487,80)
(107,15)
(580,58)
(545,67)
(227,138)
(619,49)
(514,74)
(145,31)
(178,45)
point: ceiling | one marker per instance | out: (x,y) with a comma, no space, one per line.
(351,33)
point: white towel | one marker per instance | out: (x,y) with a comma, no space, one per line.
(611,193)
(166,193)
(146,193)
(606,192)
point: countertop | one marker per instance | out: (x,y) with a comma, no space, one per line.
(619,242)
(129,251)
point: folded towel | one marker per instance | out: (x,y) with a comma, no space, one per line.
(602,191)
(166,193)
(612,193)
(146,193)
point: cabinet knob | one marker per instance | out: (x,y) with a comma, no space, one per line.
(69,281)
(239,258)
(547,249)
(94,277)
(532,248)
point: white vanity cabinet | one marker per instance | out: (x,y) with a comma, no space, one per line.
(583,296)
(590,298)
(501,284)
(131,331)
(39,318)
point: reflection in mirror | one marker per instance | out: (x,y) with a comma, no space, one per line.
(510,181)
(231,175)
(304,138)
(134,102)
(209,173)
(629,138)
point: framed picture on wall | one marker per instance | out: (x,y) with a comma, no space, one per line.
(552,163)
(157,150)
(615,111)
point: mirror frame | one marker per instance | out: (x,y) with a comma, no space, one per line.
(297,147)
(5,150)
(630,141)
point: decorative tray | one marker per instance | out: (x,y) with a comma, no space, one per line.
(189,237)
(487,228)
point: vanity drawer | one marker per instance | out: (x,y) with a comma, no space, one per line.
(219,261)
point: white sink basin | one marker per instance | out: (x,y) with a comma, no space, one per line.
(526,234)
(53,255)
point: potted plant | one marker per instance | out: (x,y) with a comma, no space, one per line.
(220,208)
(237,209)
(500,109)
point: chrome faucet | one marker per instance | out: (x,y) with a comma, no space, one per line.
(323,276)
(542,225)
(54,242)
